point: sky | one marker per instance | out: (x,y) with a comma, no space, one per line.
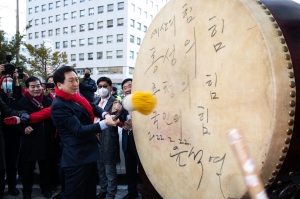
(8,15)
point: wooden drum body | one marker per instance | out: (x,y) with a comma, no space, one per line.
(215,65)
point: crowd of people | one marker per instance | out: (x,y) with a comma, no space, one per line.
(68,127)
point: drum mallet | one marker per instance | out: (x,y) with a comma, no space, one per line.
(252,179)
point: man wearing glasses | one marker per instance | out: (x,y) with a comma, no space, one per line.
(109,144)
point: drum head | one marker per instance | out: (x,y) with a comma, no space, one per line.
(212,65)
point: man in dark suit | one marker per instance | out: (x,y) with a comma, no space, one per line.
(73,117)
(109,144)
(37,139)
(129,148)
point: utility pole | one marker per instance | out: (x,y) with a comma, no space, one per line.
(17,31)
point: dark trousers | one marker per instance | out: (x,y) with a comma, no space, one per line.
(28,175)
(80,181)
(12,145)
(2,184)
(131,163)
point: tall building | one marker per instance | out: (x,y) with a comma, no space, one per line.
(102,35)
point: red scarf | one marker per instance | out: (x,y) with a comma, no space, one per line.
(78,99)
(36,100)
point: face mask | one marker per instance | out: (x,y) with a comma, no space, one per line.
(87,75)
(103,92)
(7,87)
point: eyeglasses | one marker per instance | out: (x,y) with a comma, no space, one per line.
(100,86)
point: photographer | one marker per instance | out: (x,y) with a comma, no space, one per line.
(88,86)
(10,93)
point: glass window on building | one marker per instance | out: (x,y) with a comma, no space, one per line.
(36,35)
(73,57)
(90,56)
(139,26)
(131,55)
(109,54)
(73,29)
(36,22)
(81,27)
(30,36)
(119,53)
(91,11)
(82,13)
(100,24)
(110,7)
(102,70)
(30,11)
(66,16)
(133,7)
(99,55)
(110,23)
(73,43)
(121,6)
(145,28)
(44,7)
(50,19)
(81,42)
(120,38)
(29,23)
(50,32)
(138,41)
(100,9)
(36,9)
(43,20)
(140,11)
(43,34)
(100,40)
(65,44)
(65,30)
(131,39)
(57,31)
(50,6)
(120,21)
(81,56)
(146,14)
(57,4)
(109,39)
(57,45)
(65,2)
(57,17)
(151,17)
(131,70)
(91,26)
(73,15)
(90,41)
(36,46)
(74,2)
(131,22)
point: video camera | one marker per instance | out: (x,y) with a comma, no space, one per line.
(10,68)
(48,85)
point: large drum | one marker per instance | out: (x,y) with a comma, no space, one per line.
(216,65)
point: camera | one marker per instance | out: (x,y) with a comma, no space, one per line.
(9,68)
(48,85)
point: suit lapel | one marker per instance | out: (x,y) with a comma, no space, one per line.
(78,107)
(109,104)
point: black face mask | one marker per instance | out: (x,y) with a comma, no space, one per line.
(87,75)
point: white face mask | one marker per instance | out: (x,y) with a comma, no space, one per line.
(103,92)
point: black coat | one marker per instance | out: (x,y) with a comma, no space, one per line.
(109,146)
(88,88)
(5,112)
(39,144)
(77,132)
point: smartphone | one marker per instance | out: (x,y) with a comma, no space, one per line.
(20,72)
